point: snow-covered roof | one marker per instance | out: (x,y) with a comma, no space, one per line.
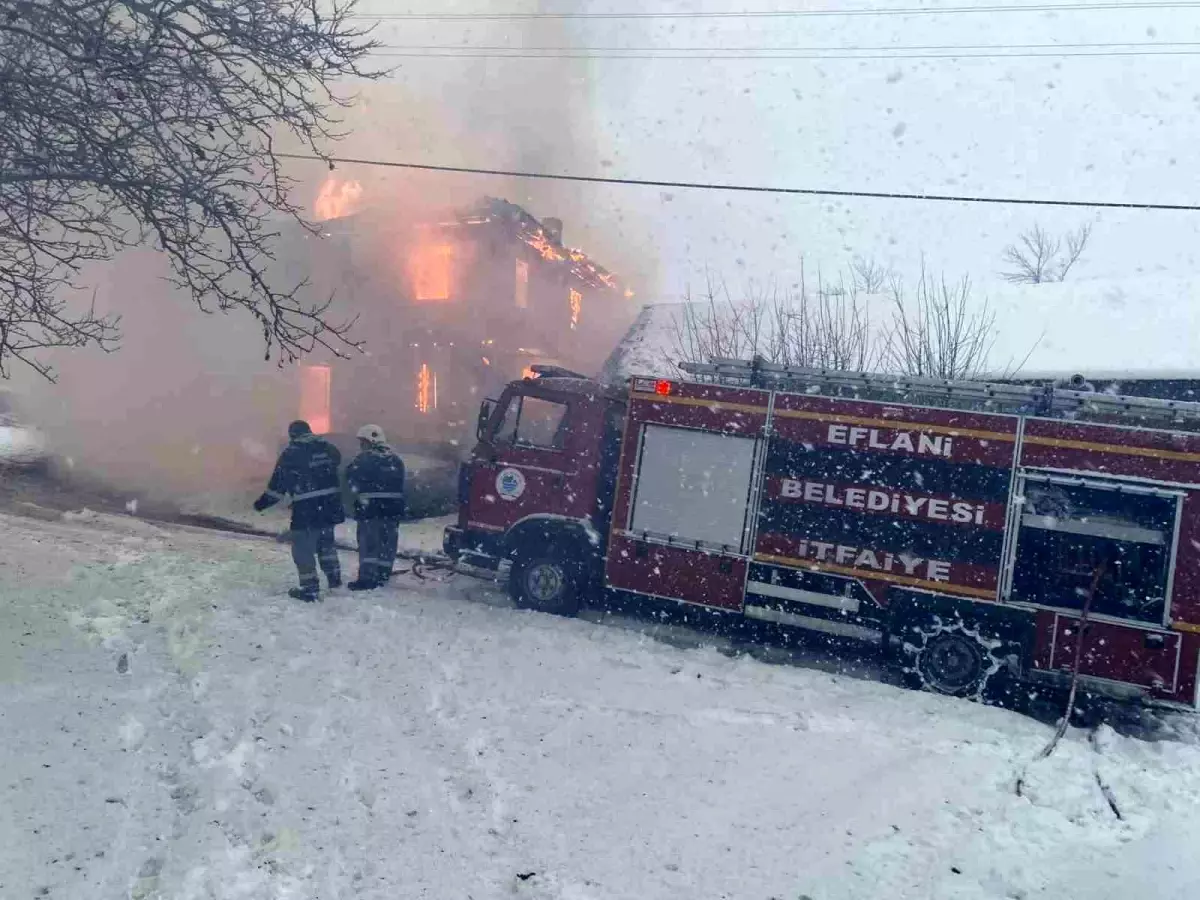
(648,347)
(1136,329)
(1129,329)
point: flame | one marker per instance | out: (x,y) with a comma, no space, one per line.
(423,386)
(337,199)
(539,242)
(431,267)
(576,300)
(528,372)
(315,382)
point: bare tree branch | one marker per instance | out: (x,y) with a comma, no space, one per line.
(941,333)
(1038,257)
(869,275)
(825,327)
(1077,242)
(126,121)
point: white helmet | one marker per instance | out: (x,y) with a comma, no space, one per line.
(372,433)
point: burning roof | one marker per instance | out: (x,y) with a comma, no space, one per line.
(492,210)
(536,235)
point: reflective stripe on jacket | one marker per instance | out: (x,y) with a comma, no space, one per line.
(376,480)
(307,475)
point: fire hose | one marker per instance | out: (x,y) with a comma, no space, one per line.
(1097,576)
(1065,720)
(422,563)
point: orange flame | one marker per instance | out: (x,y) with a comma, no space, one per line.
(576,299)
(337,199)
(430,266)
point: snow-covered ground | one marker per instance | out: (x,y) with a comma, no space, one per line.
(176,728)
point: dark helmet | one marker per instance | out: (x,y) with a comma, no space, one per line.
(298,429)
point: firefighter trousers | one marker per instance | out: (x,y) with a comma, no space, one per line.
(377,543)
(310,547)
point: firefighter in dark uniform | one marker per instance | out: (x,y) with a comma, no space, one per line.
(307,475)
(376,480)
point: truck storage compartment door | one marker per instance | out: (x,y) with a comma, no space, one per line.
(1116,652)
(689,521)
(1069,526)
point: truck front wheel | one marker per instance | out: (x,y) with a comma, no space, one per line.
(546,582)
(948,656)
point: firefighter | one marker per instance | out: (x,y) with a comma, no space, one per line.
(376,480)
(307,475)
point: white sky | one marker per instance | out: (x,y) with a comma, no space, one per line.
(1108,128)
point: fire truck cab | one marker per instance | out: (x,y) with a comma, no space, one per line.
(539,485)
(974,528)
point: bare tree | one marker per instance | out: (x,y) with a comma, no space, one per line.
(714,325)
(1077,242)
(942,332)
(131,121)
(825,327)
(1038,257)
(869,275)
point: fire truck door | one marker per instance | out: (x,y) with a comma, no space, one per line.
(530,470)
(1116,652)
(1071,528)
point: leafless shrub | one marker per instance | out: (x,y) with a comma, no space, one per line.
(869,275)
(941,332)
(714,325)
(1038,257)
(123,122)
(936,329)
(825,327)
(1077,242)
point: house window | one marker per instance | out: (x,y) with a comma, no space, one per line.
(315,384)
(427,390)
(431,270)
(576,301)
(522,290)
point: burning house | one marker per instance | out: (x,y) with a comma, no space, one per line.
(450,310)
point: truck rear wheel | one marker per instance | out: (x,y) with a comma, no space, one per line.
(949,656)
(546,582)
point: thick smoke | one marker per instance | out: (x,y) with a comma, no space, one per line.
(188,405)
(185,405)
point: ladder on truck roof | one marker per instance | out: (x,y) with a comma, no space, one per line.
(1048,400)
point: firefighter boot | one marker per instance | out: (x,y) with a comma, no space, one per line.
(302,594)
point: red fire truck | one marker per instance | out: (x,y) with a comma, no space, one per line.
(972,528)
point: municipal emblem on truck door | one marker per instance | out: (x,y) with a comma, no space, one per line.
(510,484)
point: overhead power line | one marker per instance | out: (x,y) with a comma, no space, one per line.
(744,188)
(836,52)
(792,14)
(778,55)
